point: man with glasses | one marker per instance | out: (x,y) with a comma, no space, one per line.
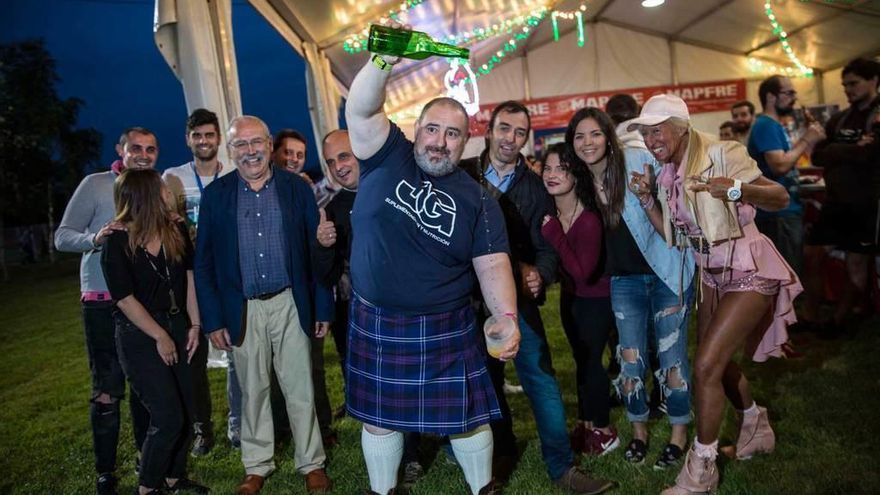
(187,182)
(257,293)
(769,146)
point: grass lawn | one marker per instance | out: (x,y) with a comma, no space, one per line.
(824,409)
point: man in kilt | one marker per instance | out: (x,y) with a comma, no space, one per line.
(423,233)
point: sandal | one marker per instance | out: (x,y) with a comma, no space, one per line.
(670,457)
(636,451)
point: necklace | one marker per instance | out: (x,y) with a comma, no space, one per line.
(166,279)
(571,217)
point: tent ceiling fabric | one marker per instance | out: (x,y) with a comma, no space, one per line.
(824,34)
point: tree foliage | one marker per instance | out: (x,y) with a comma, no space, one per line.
(42,152)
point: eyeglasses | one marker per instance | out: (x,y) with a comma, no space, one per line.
(242,145)
(790,92)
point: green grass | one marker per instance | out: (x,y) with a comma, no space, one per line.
(824,409)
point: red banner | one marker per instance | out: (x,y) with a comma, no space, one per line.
(555,112)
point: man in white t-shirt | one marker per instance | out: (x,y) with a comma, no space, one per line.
(187,182)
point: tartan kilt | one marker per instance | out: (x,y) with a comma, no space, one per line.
(424,373)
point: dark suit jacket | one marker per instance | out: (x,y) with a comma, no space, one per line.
(217,269)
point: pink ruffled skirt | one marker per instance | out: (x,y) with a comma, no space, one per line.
(754,265)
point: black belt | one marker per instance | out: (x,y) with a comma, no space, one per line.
(269,295)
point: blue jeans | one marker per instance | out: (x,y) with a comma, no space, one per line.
(534,368)
(642,303)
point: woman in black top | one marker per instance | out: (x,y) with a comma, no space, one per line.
(148,268)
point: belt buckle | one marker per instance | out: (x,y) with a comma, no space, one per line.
(700,247)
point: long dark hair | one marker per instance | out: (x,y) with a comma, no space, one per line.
(614,177)
(137,195)
(583,184)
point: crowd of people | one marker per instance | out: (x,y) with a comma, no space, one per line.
(404,251)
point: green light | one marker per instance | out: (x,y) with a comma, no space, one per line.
(580,25)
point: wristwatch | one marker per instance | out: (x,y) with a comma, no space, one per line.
(734,192)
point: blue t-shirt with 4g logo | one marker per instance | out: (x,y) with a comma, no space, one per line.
(414,236)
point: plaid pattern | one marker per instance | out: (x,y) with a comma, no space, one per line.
(422,373)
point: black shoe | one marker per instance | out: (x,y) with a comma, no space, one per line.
(671,456)
(203,439)
(491,489)
(106,484)
(187,485)
(636,451)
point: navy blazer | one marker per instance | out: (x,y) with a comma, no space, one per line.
(217,269)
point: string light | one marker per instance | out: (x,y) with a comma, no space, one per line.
(759,66)
(780,33)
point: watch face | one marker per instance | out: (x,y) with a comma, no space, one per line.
(734,194)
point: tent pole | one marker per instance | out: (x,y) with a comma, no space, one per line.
(673,69)
(527,92)
(819,77)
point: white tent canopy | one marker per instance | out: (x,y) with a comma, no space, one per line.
(626,46)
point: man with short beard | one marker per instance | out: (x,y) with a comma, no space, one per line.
(851,159)
(187,182)
(88,220)
(423,234)
(742,114)
(770,147)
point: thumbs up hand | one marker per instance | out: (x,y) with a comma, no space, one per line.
(326,230)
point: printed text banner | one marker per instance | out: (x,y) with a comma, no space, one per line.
(555,112)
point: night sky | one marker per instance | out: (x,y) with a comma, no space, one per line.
(106,56)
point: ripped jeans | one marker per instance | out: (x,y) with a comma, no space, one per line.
(642,303)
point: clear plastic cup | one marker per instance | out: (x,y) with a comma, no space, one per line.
(498,330)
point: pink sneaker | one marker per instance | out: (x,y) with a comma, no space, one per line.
(599,443)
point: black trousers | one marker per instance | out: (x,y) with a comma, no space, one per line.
(167,393)
(108,378)
(587,322)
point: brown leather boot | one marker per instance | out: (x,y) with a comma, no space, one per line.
(755,435)
(698,475)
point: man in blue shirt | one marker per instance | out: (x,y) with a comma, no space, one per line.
(770,147)
(259,298)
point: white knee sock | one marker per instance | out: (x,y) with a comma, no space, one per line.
(473,451)
(382,454)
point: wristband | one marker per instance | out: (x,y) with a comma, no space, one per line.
(649,204)
(380,62)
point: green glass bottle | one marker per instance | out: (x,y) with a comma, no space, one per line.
(409,44)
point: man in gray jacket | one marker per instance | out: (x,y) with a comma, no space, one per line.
(87,221)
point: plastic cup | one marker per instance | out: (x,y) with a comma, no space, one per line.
(498,330)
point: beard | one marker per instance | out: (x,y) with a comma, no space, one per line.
(205,155)
(437,168)
(784,111)
(741,127)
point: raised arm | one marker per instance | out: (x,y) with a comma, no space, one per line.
(368,126)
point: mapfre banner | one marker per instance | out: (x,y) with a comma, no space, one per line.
(555,112)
